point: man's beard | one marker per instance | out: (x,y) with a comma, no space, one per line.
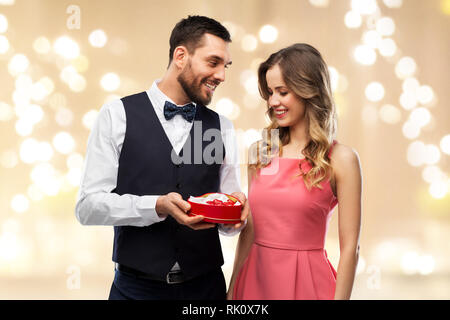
(193,91)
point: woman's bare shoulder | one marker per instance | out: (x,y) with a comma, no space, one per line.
(253,151)
(343,158)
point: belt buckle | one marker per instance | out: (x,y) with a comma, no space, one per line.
(169,279)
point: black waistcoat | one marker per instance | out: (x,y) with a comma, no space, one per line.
(146,167)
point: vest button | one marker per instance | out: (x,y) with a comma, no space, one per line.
(178,185)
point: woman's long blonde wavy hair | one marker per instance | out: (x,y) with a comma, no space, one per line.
(306,74)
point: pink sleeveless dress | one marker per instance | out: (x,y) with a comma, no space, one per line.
(287,260)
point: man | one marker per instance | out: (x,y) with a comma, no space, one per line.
(143,163)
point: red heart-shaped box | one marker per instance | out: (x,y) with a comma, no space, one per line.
(217,213)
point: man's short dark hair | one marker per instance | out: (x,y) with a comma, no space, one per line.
(189,32)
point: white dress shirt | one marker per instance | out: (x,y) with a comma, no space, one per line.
(96,205)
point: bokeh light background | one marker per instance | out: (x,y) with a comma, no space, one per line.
(60,61)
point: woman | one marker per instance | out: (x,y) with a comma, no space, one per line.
(295,179)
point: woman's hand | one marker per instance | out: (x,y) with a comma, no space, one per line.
(245,207)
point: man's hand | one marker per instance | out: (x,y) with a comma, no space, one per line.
(174,205)
(245,207)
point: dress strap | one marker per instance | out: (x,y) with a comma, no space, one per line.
(331,148)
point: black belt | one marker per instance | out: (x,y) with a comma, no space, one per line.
(172,277)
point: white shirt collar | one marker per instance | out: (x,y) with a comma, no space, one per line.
(159,97)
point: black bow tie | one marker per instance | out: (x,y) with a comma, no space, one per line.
(187,111)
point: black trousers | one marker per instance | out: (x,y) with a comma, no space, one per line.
(209,286)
